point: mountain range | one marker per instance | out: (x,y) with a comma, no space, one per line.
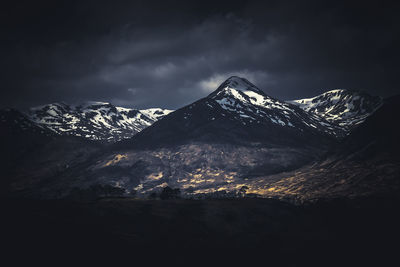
(237,139)
(334,112)
(95,120)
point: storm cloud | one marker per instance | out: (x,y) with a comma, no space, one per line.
(171,53)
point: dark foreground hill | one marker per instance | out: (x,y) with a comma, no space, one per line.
(229,232)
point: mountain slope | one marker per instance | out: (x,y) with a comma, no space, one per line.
(32,155)
(365,163)
(344,108)
(377,136)
(19,135)
(95,120)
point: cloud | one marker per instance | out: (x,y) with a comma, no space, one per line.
(132,90)
(181,52)
(164,70)
(211,83)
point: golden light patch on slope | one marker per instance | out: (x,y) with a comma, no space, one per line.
(238,186)
(258,191)
(227,188)
(117,158)
(222,188)
(162,185)
(229,177)
(186,186)
(285,186)
(206,176)
(205,191)
(155,176)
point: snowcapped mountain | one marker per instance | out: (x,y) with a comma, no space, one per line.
(95,120)
(239,111)
(249,104)
(345,108)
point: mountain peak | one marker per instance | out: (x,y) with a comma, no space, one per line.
(239,84)
(236,79)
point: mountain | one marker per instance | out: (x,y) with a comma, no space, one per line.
(240,138)
(345,108)
(238,112)
(219,143)
(216,143)
(95,120)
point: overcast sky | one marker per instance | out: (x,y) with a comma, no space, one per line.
(171,53)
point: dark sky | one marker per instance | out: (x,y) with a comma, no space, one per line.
(170,53)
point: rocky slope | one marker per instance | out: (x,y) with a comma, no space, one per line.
(365,163)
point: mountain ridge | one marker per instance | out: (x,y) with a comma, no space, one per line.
(335,112)
(342,107)
(93,120)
